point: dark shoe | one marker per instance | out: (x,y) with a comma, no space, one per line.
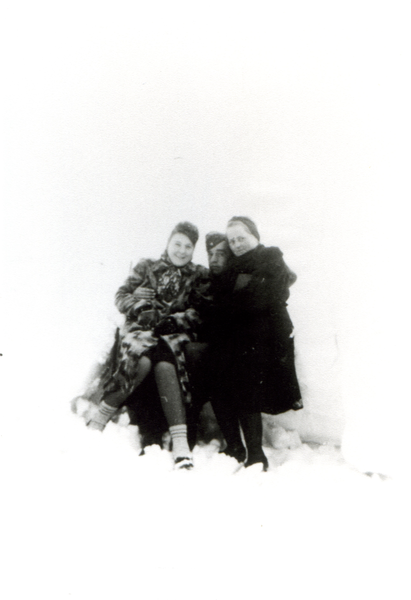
(257,458)
(183,462)
(237,452)
(151,439)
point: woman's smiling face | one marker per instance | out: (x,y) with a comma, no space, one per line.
(180,249)
(240,239)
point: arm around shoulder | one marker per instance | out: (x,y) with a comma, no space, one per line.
(200,294)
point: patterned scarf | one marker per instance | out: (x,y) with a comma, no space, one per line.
(169,283)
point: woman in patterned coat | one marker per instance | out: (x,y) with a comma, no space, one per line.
(159,301)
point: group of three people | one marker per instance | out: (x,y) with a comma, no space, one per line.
(222,334)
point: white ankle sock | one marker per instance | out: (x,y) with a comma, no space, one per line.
(180,445)
(105,412)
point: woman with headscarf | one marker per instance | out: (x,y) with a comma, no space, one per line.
(253,348)
(159,301)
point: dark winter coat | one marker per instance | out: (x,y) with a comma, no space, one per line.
(250,331)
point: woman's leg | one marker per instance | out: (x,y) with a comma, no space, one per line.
(172,402)
(196,355)
(170,393)
(145,411)
(112,401)
(228,421)
(116,399)
(252,426)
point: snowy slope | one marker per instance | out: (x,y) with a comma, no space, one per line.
(89,518)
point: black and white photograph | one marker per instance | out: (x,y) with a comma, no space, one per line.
(205,308)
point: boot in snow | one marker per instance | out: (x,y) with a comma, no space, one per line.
(183,462)
(236,451)
(254,459)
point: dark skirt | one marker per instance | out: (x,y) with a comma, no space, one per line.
(254,369)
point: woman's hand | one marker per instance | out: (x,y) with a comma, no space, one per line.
(167,326)
(142,293)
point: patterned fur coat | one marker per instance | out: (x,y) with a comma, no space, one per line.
(172,318)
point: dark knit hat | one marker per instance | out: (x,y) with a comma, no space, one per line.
(213,239)
(187,229)
(251,226)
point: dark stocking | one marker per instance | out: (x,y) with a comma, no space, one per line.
(252,426)
(196,361)
(229,425)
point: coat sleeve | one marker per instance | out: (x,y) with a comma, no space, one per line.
(268,288)
(292,277)
(276,269)
(200,295)
(197,300)
(179,322)
(125,300)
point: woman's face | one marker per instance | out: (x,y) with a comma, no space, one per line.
(180,249)
(240,239)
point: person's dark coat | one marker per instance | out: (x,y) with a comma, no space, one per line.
(249,333)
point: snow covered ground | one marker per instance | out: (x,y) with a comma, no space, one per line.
(86,517)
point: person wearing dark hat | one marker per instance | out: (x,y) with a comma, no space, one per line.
(218,252)
(196,353)
(252,350)
(159,301)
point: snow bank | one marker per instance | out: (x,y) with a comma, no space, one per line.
(90,518)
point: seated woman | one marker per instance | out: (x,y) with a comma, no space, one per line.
(159,301)
(144,405)
(252,349)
